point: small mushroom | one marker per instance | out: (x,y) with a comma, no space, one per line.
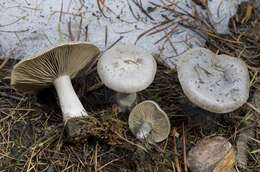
(214,154)
(217,83)
(127,70)
(147,121)
(56,66)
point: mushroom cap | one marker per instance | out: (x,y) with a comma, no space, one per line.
(217,83)
(150,112)
(126,69)
(212,154)
(39,71)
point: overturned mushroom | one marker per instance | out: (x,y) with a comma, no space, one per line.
(126,69)
(148,121)
(56,66)
(217,83)
(214,154)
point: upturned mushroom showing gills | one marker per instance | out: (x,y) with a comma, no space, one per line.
(147,121)
(56,66)
(217,83)
(127,70)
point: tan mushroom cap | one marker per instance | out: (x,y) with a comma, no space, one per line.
(35,73)
(150,112)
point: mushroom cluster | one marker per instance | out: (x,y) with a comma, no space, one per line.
(217,83)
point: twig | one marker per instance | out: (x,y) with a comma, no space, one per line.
(100,9)
(71,36)
(176,160)
(184,149)
(4,63)
(4,25)
(121,37)
(99,169)
(132,143)
(95,87)
(80,28)
(253,107)
(14,31)
(151,29)
(142,10)
(96,156)
(86,33)
(106,36)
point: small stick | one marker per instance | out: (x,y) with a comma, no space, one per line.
(95,87)
(106,36)
(130,142)
(176,160)
(142,10)
(184,149)
(80,28)
(99,3)
(71,37)
(86,33)
(3,63)
(14,31)
(96,163)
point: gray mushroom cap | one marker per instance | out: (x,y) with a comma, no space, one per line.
(217,83)
(126,69)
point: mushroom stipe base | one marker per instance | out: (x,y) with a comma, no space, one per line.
(91,129)
(70,104)
(126,101)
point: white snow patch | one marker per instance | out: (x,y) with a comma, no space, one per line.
(30,26)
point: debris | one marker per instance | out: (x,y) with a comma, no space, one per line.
(246,134)
(219,13)
(214,154)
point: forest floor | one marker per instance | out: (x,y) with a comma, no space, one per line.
(31,127)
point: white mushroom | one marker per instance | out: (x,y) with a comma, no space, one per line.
(56,66)
(217,83)
(127,70)
(148,121)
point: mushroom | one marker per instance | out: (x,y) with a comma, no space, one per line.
(147,121)
(56,66)
(217,83)
(126,69)
(214,154)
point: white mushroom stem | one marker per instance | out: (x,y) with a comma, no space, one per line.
(71,106)
(126,101)
(144,130)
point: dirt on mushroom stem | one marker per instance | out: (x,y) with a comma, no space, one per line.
(31,126)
